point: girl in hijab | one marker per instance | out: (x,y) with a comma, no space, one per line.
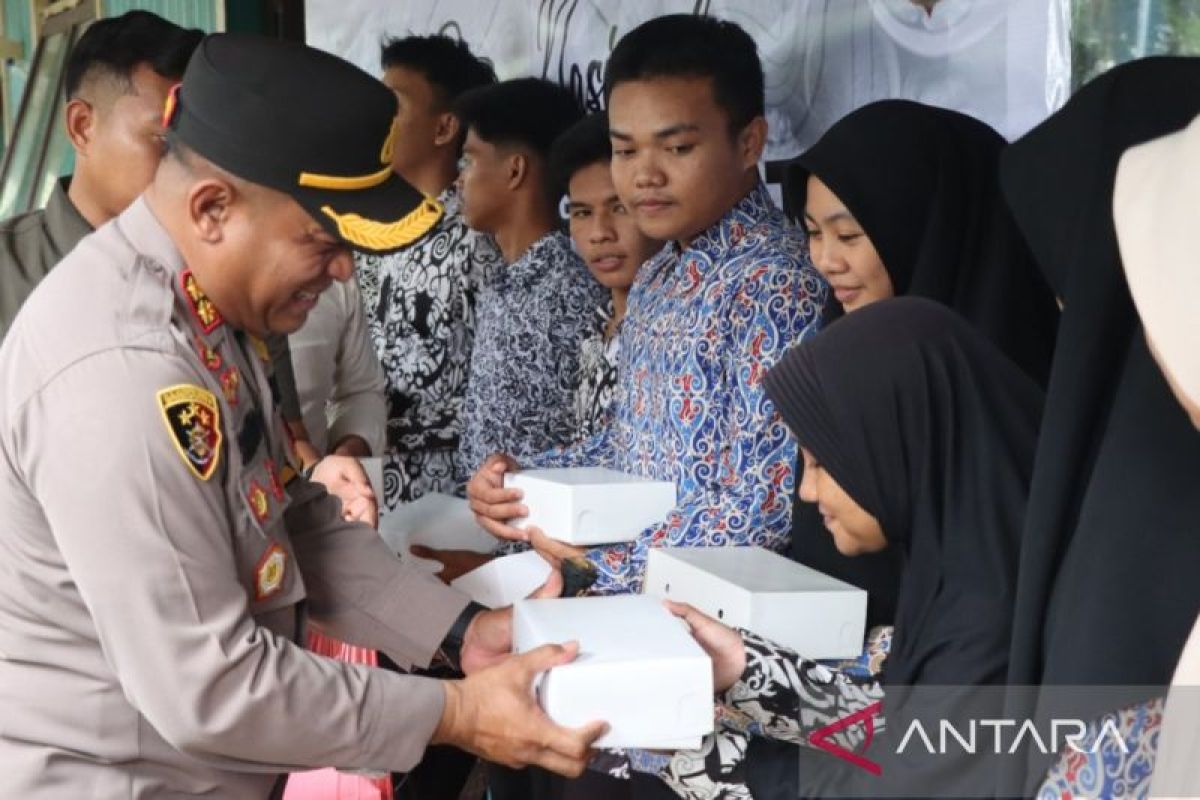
(1107,588)
(917,435)
(1154,208)
(901,198)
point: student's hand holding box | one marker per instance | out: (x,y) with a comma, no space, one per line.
(494,504)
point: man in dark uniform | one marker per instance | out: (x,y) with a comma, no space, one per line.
(160,555)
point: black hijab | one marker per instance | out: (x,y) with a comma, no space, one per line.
(927,426)
(1108,588)
(922,181)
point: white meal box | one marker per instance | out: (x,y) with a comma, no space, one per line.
(750,587)
(638,669)
(505,579)
(591,505)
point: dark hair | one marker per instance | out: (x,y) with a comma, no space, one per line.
(114,47)
(583,144)
(528,112)
(691,46)
(448,65)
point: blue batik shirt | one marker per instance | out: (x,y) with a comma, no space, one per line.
(703,325)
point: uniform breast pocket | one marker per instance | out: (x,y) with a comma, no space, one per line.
(266,562)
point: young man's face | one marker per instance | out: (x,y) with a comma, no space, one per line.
(417,117)
(484,180)
(675,162)
(125,139)
(605,232)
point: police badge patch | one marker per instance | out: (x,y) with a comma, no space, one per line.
(194,420)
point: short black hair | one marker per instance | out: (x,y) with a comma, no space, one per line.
(447,64)
(114,47)
(527,112)
(692,46)
(583,144)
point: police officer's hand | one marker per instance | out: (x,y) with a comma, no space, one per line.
(345,478)
(494,714)
(494,505)
(488,639)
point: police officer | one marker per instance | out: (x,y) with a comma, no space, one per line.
(159,556)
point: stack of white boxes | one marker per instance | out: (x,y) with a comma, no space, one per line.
(638,668)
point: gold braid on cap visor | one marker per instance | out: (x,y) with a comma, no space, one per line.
(370,234)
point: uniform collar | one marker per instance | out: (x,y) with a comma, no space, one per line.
(150,240)
(64,224)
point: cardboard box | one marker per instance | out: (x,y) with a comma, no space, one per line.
(750,587)
(591,505)
(638,669)
(435,520)
(504,580)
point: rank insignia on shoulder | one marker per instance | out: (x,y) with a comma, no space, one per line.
(194,420)
(230,381)
(260,505)
(268,575)
(202,308)
(208,355)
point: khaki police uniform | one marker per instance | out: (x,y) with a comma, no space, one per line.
(156,572)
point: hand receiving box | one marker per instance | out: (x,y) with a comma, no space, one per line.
(591,505)
(638,669)
(750,587)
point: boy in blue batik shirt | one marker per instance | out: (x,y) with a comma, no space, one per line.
(707,316)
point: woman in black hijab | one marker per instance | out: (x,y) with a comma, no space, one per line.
(920,185)
(1107,589)
(905,200)
(918,435)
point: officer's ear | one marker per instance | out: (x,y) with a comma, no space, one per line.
(209,203)
(80,121)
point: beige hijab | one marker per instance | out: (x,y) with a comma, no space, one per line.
(1156,207)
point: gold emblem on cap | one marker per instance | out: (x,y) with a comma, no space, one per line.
(389,145)
(353,183)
